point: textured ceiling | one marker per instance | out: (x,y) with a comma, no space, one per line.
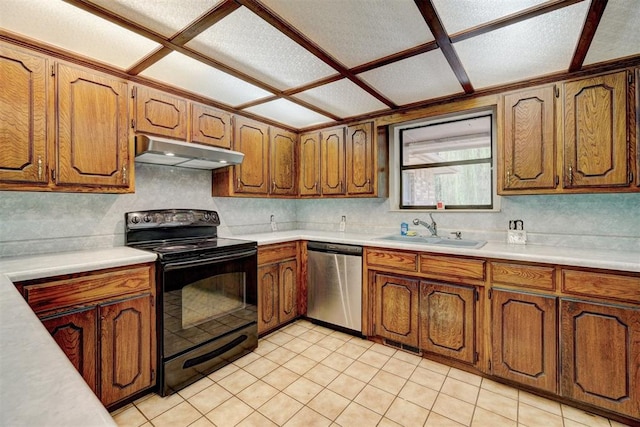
(302,63)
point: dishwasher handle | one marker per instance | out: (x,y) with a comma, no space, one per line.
(334,248)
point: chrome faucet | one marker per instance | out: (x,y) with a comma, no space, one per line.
(433,227)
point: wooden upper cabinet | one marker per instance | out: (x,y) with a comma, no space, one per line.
(360,160)
(600,355)
(524,338)
(283,155)
(447,320)
(332,161)
(310,164)
(529,140)
(252,139)
(23,130)
(93,134)
(159,113)
(595,132)
(210,126)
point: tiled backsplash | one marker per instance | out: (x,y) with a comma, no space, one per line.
(33,223)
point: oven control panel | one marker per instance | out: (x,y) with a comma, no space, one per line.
(171,218)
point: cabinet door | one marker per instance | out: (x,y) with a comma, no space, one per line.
(268,306)
(332,161)
(210,126)
(310,164)
(159,113)
(93,136)
(125,348)
(396,309)
(447,320)
(361,159)
(76,334)
(283,162)
(529,140)
(252,139)
(288,292)
(600,355)
(595,138)
(524,337)
(23,130)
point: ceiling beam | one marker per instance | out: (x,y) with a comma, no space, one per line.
(284,27)
(594,15)
(514,18)
(442,38)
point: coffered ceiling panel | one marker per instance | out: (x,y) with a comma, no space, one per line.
(410,80)
(356,31)
(458,15)
(533,47)
(618,34)
(342,98)
(284,111)
(164,17)
(248,43)
(187,73)
(75,30)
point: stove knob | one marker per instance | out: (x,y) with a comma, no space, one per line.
(207,216)
(135,219)
(147,218)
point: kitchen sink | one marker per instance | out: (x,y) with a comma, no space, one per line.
(436,241)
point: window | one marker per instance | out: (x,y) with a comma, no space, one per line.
(446,163)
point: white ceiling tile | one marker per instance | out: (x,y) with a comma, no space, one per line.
(530,48)
(414,79)
(289,113)
(244,41)
(617,35)
(342,98)
(63,25)
(458,15)
(356,31)
(165,17)
(187,73)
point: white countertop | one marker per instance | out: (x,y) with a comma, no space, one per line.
(579,257)
(38,384)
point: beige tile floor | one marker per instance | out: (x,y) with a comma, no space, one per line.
(307,375)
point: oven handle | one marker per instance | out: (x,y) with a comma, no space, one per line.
(210,260)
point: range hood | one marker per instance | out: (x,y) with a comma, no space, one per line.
(163,151)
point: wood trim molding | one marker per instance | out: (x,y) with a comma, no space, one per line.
(594,15)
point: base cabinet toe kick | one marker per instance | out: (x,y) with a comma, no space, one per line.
(567,333)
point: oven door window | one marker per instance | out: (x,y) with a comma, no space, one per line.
(205,302)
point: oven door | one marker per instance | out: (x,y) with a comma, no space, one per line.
(207,299)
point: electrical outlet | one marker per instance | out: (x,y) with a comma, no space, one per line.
(343,223)
(274,225)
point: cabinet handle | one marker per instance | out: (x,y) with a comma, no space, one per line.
(508,177)
(238,183)
(125,178)
(570,175)
(39,167)
(315,184)
(273,184)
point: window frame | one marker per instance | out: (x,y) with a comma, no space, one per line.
(396,167)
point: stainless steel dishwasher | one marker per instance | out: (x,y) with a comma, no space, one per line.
(334,292)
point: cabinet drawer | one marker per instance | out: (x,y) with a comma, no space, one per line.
(438,266)
(277,252)
(81,290)
(392,259)
(528,276)
(610,286)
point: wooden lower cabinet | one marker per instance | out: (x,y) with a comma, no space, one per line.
(278,272)
(396,308)
(600,355)
(104,322)
(125,348)
(524,337)
(76,334)
(447,320)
